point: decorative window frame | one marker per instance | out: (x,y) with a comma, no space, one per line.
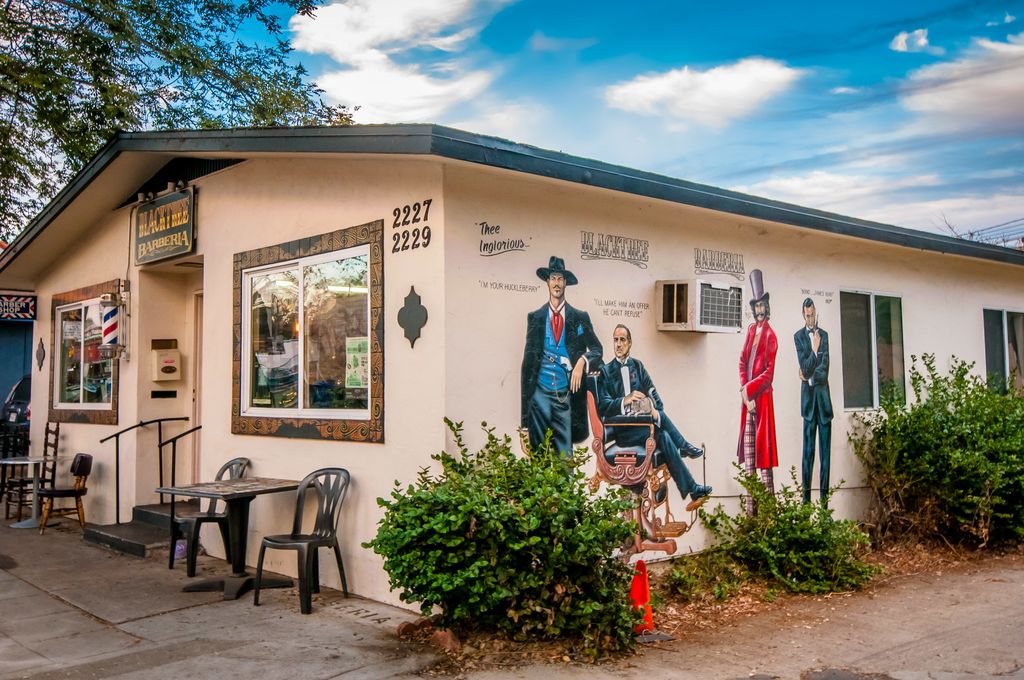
(94,415)
(316,427)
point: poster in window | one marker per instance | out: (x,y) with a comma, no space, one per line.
(357,362)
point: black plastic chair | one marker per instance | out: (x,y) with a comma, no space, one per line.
(81,466)
(329,486)
(189,523)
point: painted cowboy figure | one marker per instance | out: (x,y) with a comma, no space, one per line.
(561,348)
(757,449)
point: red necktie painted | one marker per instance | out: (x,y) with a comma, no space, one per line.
(556,325)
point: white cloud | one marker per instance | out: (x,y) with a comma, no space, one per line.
(712,98)
(845,90)
(982,91)
(888,200)
(1007,19)
(519,121)
(832,191)
(389,93)
(546,43)
(915,41)
(368,39)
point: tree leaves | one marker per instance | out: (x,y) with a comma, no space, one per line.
(74,72)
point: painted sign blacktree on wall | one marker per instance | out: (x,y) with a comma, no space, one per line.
(164,227)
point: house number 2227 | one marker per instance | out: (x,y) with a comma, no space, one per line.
(410,225)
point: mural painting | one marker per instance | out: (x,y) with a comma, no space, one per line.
(757,449)
(626,388)
(561,348)
(815,399)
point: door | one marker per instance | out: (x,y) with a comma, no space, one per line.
(197,381)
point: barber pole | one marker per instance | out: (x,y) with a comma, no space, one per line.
(110,319)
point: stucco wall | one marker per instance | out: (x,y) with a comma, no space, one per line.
(696,373)
(466,364)
(100,257)
(265,202)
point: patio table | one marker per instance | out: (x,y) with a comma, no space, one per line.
(36,462)
(237,495)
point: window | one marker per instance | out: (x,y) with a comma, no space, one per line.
(872,333)
(83,386)
(1004,348)
(307,336)
(309,357)
(84,380)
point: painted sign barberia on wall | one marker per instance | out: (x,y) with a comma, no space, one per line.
(164,227)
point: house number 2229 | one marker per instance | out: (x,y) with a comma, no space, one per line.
(410,225)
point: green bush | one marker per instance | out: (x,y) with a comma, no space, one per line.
(710,574)
(515,545)
(950,465)
(786,542)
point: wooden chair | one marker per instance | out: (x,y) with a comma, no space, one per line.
(642,471)
(189,523)
(329,486)
(18,487)
(81,466)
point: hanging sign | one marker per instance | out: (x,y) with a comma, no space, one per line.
(164,227)
(18,307)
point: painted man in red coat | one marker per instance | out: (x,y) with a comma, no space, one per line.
(757,449)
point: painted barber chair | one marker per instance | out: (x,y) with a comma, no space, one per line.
(642,471)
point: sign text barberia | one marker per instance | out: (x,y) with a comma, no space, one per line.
(164,227)
(717,262)
(611,247)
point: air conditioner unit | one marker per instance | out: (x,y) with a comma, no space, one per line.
(699,305)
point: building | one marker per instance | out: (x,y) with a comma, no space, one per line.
(344,289)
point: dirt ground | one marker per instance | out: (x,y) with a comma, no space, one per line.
(932,614)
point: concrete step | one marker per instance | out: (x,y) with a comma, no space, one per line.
(159,514)
(148,530)
(132,538)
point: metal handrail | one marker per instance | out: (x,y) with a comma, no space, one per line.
(173,441)
(117,455)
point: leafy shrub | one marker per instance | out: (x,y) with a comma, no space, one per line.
(710,574)
(786,542)
(950,465)
(510,544)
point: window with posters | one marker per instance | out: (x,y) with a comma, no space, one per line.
(310,338)
(84,384)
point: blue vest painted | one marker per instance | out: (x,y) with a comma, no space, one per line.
(553,374)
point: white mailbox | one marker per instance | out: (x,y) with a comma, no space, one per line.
(166,365)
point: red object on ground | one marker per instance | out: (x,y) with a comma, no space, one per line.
(640,596)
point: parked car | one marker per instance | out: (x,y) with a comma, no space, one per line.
(16,412)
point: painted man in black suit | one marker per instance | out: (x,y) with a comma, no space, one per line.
(561,348)
(625,384)
(815,400)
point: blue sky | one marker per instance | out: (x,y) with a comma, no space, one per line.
(908,113)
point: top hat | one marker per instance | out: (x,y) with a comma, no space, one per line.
(556,265)
(757,287)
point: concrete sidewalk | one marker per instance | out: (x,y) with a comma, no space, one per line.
(69,609)
(72,609)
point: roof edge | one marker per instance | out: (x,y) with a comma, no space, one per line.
(454,144)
